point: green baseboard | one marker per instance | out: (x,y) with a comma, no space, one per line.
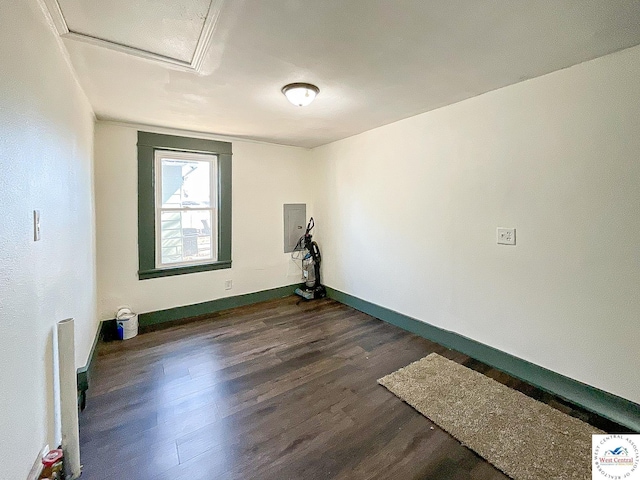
(180,313)
(607,405)
(84,373)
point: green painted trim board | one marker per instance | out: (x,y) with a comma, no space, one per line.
(607,405)
(83,374)
(204,308)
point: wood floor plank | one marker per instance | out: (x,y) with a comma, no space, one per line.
(277,390)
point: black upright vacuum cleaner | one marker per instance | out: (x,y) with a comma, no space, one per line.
(311,259)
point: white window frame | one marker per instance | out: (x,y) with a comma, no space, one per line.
(159,155)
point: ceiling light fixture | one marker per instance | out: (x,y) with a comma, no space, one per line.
(300,94)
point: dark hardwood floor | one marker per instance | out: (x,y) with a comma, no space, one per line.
(271,391)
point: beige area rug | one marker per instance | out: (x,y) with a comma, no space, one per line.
(524,438)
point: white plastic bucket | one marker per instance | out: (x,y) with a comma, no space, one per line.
(128,321)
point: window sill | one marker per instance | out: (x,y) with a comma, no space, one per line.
(168,272)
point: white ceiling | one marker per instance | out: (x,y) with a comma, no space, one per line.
(375,61)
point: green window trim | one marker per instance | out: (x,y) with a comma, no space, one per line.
(148,143)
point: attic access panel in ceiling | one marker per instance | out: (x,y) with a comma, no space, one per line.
(173,32)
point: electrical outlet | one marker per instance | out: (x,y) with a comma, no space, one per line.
(506,236)
(228,284)
(36,225)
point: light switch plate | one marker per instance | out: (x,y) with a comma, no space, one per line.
(506,236)
(36,225)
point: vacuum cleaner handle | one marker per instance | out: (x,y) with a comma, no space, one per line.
(310,226)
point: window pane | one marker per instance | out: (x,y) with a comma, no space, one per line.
(186,237)
(186,183)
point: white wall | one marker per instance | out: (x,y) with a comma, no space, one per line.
(264,178)
(409,214)
(46,144)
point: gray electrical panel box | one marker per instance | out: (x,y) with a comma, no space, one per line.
(295,217)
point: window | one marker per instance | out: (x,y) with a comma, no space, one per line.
(184,205)
(185,208)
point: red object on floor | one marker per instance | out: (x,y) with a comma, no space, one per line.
(52,457)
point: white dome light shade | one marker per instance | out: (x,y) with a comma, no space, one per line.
(300,94)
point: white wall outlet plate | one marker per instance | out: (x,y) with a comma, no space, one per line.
(506,236)
(228,284)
